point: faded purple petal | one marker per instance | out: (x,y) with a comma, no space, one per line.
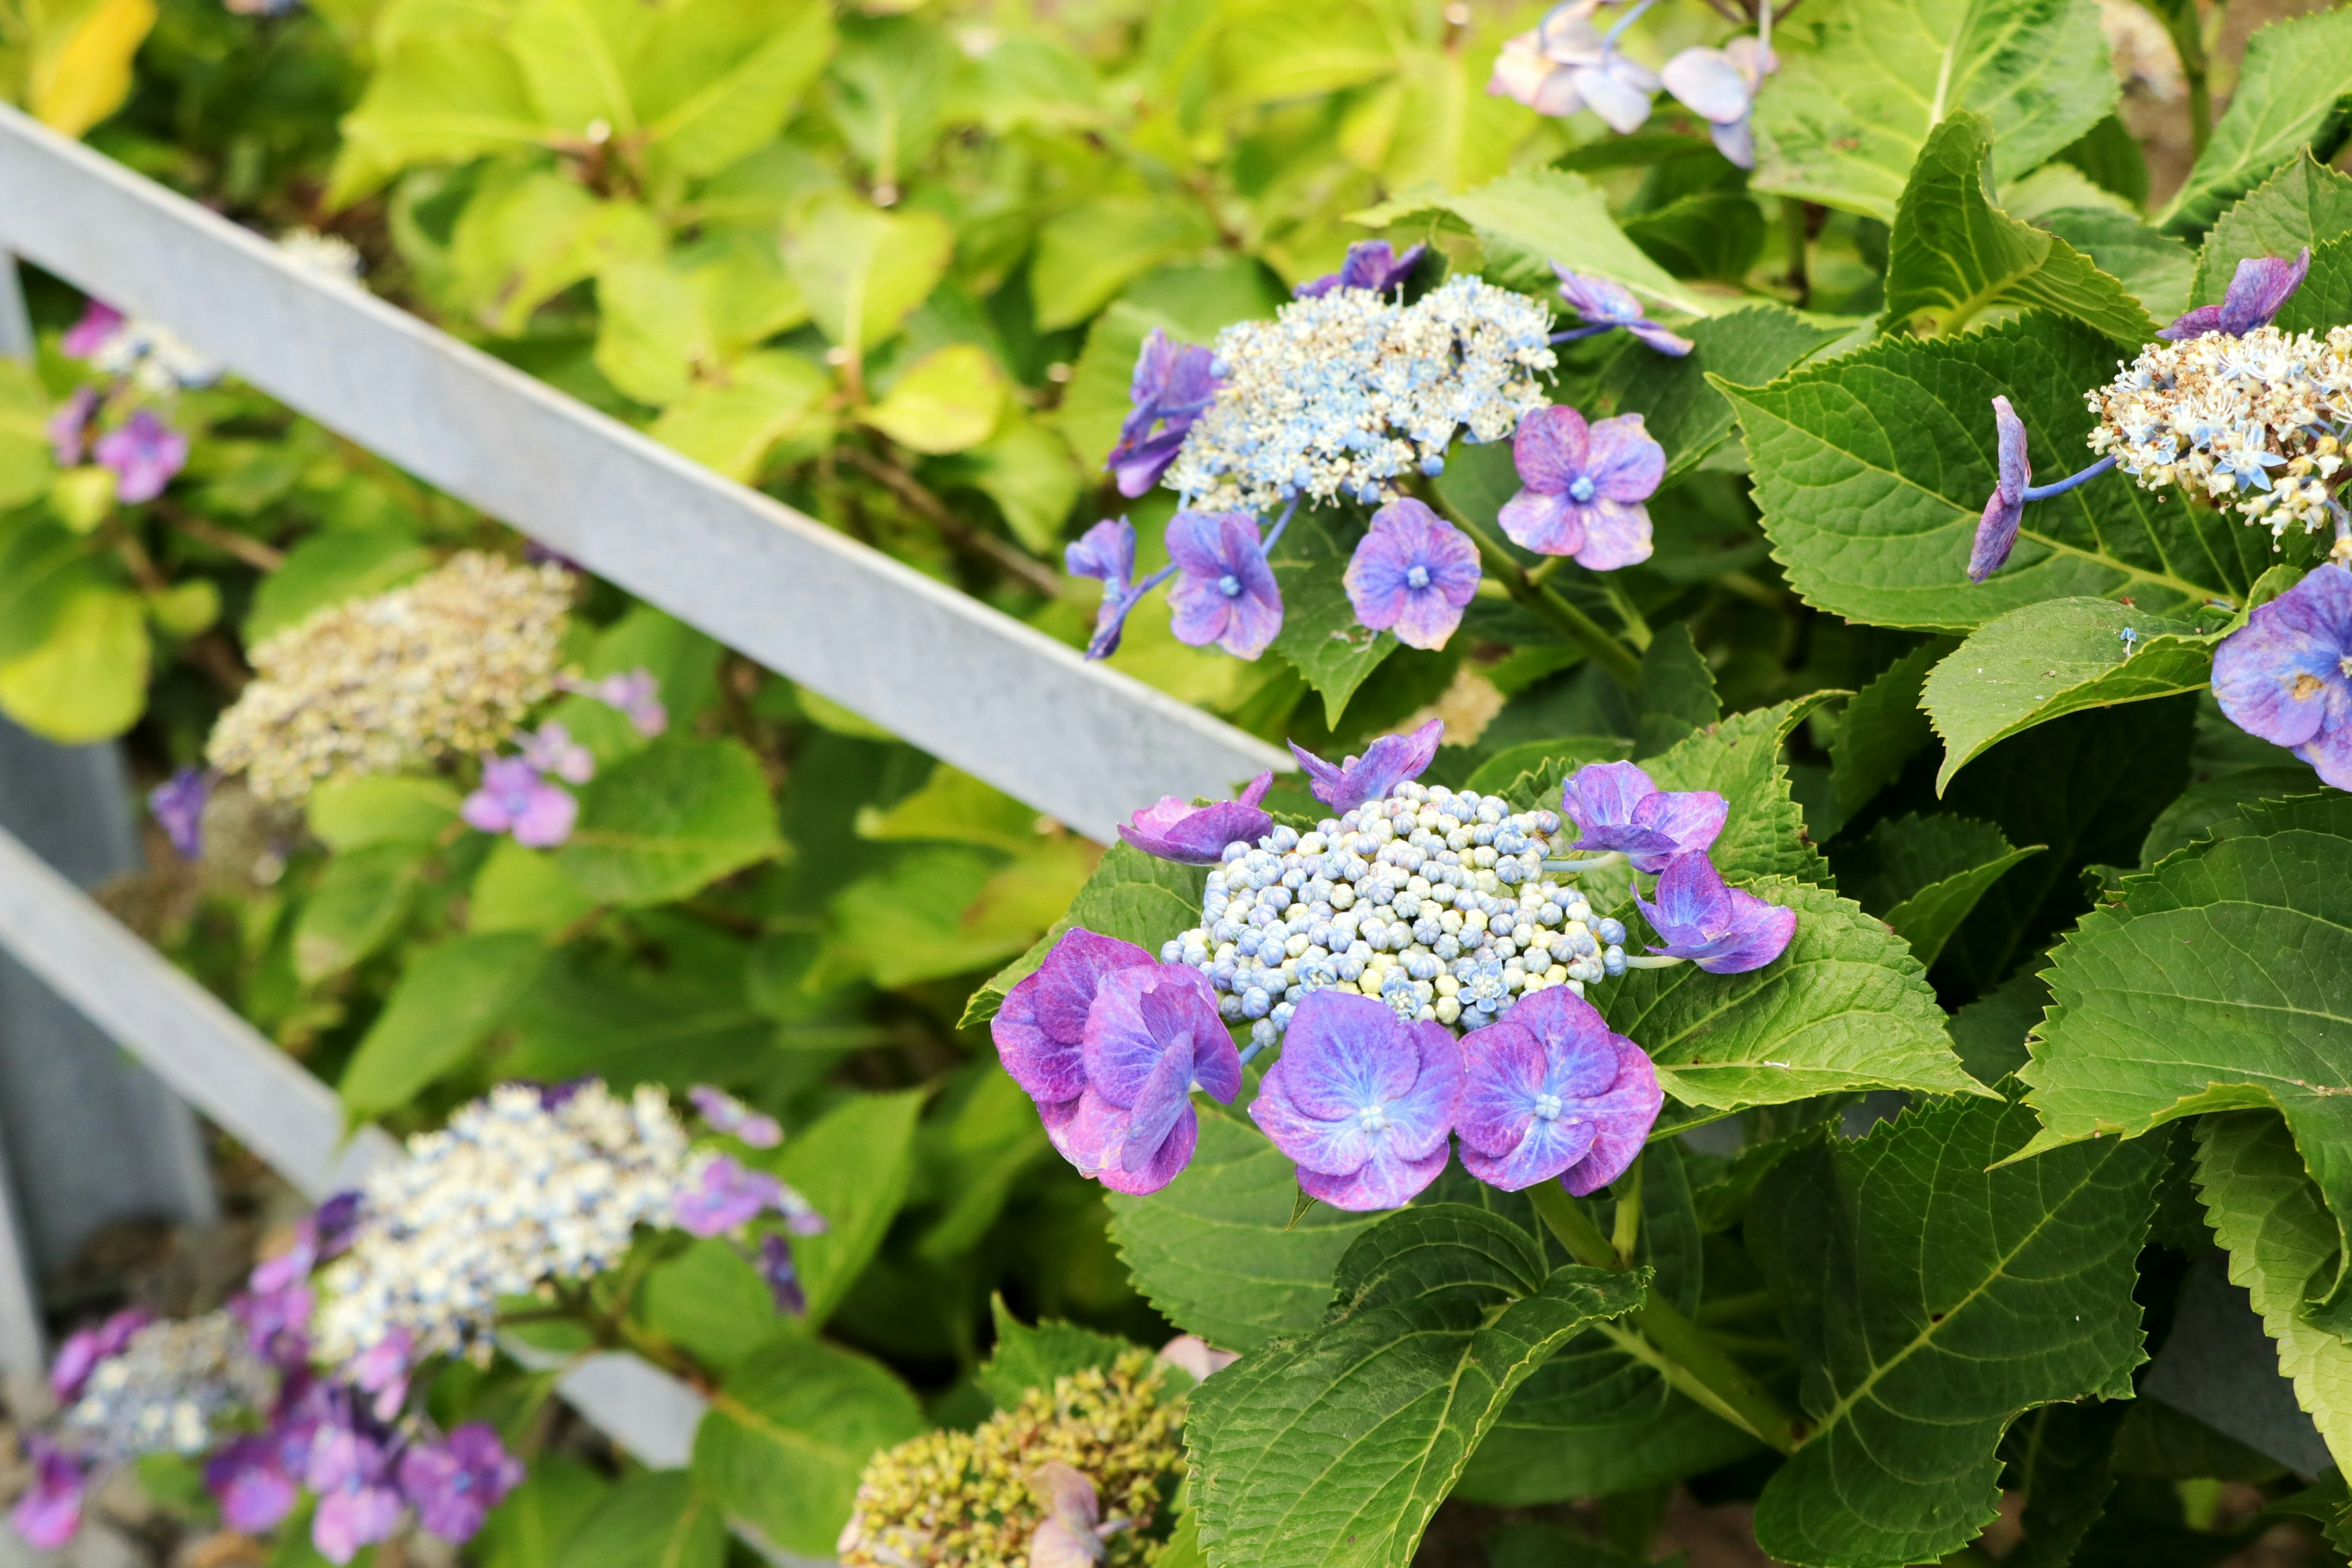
(1616,534)
(781,1275)
(1412,572)
(99,323)
(1105,550)
(2260,285)
(1041,1027)
(178,804)
(1386,763)
(145,454)
(1723,930)
(2005,508)
(727,1114)
(2193,324)
(1174,384)
(250,1483)
(455,1484)
(356,1509)
(1197,835)
(727,1197)
(1545,522)
(1552,445)
(1737,143)
(70,425)
(1709,84)
(1615,805)
(49,1512)
(1371,264)
(84,1349)
(1658,337)
(1624,463)
(553,751)
(2281,675)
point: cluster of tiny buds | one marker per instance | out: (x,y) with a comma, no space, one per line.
(1435,901)
(168,1390)
(2261,416)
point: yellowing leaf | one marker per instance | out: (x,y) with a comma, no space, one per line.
(24,466)
(81,73)
(730,425)
(717,77)
(87,681)
(441,96)
(862,269)
(946,400)
(652,329)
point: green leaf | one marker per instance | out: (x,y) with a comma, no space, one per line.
(25,469)
(1132,896)
(2304,203)
(1923,875)
(1089,253)
(945,402)
(1955,255)
(522,890)
(381,808)
(1932,1300)
(1682,411)
(853,1165)
(1025,467)
(1028,1357)
(663,824)
(786,1440)
(863,270)
(660,1519)
(732,425)
(360,900)
(711,1301)
(1863,82)
(331,567)
(1338,1447)
(2156,270)
(530,1528)
(935,914)
(650,332)
(2058,1459)
(1872,469)
(1739,759)
(1532,1455)
(1530,774)
(2228,768)
(439,96)
(1882,729)
(87,680)
(1535,217)
(1845,1007)
(2214,985)
(2264,1208)
(1214,1250)
(717,77)
(1320,636)
(986,1138)
(2324,299)
(1677,692)
(2043,661)
(2295,71)
(445,1006)
(587,1014)
(574,55)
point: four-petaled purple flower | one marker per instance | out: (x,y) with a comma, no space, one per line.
(1550,1093)
(1723,930)
(729,1115)
(1566,64)
(1996,530)
(455,1483)
(1584,488)
(178,804)
(1197,834)
(1362,1102)
(2284,675)
(85,1348)
(727,1197)
(1617,805)
(1225,592)
(1173,385)
(1606,306)
(99,323)
(144,453)
(1412,573)
(1152,1036)
(1386,763)
(553,751)
(249,1480)
(2260,287)
(514,799)
(1719,85)
(70,426)
(1372,263)
(50,1511)
(1106,552)
(356,1506)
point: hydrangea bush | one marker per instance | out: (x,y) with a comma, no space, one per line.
(1796,963)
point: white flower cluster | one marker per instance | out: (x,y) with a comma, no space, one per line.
(2261,418)
(512,1191)
(1434,901)
(154,357)
(326,256)
(168,1391)
(1337,395)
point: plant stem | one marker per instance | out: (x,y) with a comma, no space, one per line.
(1584,631)
(2196,71)
(1626,1234)
(1662,1338)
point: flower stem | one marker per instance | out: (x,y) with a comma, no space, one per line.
(1641,962)
(1607,652)
(1662,1338)
(1626,1232)
(2196,71)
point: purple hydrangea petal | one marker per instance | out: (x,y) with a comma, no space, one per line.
(99,323)
(2259,287)
(1552,445)
(1371,264)
(1737,142)
(1138,1016)
(1172,386)
(546,818)
(49,1512)
(1361,1101)
(1545,522)
(1224,592)
(1996,536)
(1691,819)
(1197,835)
(1707,82)
(145,454)
(1623,1115)
(1668,342)
(727,1114)
(1105,550)
(1616,534)
(2193,324)
(455,1484)
(1554,1075)
(727,1197)
(1598,299)
(781,1275)
(2281,675)
(1406,538)
(1386,763)
(1166,1093)
(1041,1027)
(1623,461)
(69,428)
(1723,930)
(249,1481)
(1604,795)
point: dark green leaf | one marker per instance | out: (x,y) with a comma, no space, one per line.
(1320,636)
(1883,729)
(663,824)
(1932,1301)
(585,1015)
(445,1006)
(2227,768)
(2058,1459)
(1990,1032)
(710,1301)
(1923,875)
(2324,299)
(658,1519)
(1337,1446)
(2158,270)
(1513,767)
(1682,412)
(2295,71)
(1676,694)
(853,1166)
(2304,203)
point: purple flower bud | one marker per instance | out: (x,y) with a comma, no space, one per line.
(1386,763)
(1584,488)
(1566,64)
(1605,304)
(1197,835)
(356,1507)
(1173,385)
(70,426)
(1723,930)
(2282,676)
(453,1484)
(2258,290)
(84,1349)
(145,454)
(178,804)
(729,1115)
(727,1197)
(782,1276)
(1372,263)
(1549,1091)
(1997,530)
(100,322)
(1412,573)
(1152,1037)
(1615,805)
(514,799)
(248,1479)
(49,1512)
(553,751)
(1106,552)
(1362,1102)
(1224,592)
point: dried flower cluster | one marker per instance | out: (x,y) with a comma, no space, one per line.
(2260,418)
(967,1499)
(449,663)
(1342,392)
(523,1185)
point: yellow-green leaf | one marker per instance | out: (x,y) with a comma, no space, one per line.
(946,401)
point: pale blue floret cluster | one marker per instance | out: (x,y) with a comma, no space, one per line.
(1341,393)
(1435,901)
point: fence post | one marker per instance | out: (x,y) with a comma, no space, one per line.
(16,325)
